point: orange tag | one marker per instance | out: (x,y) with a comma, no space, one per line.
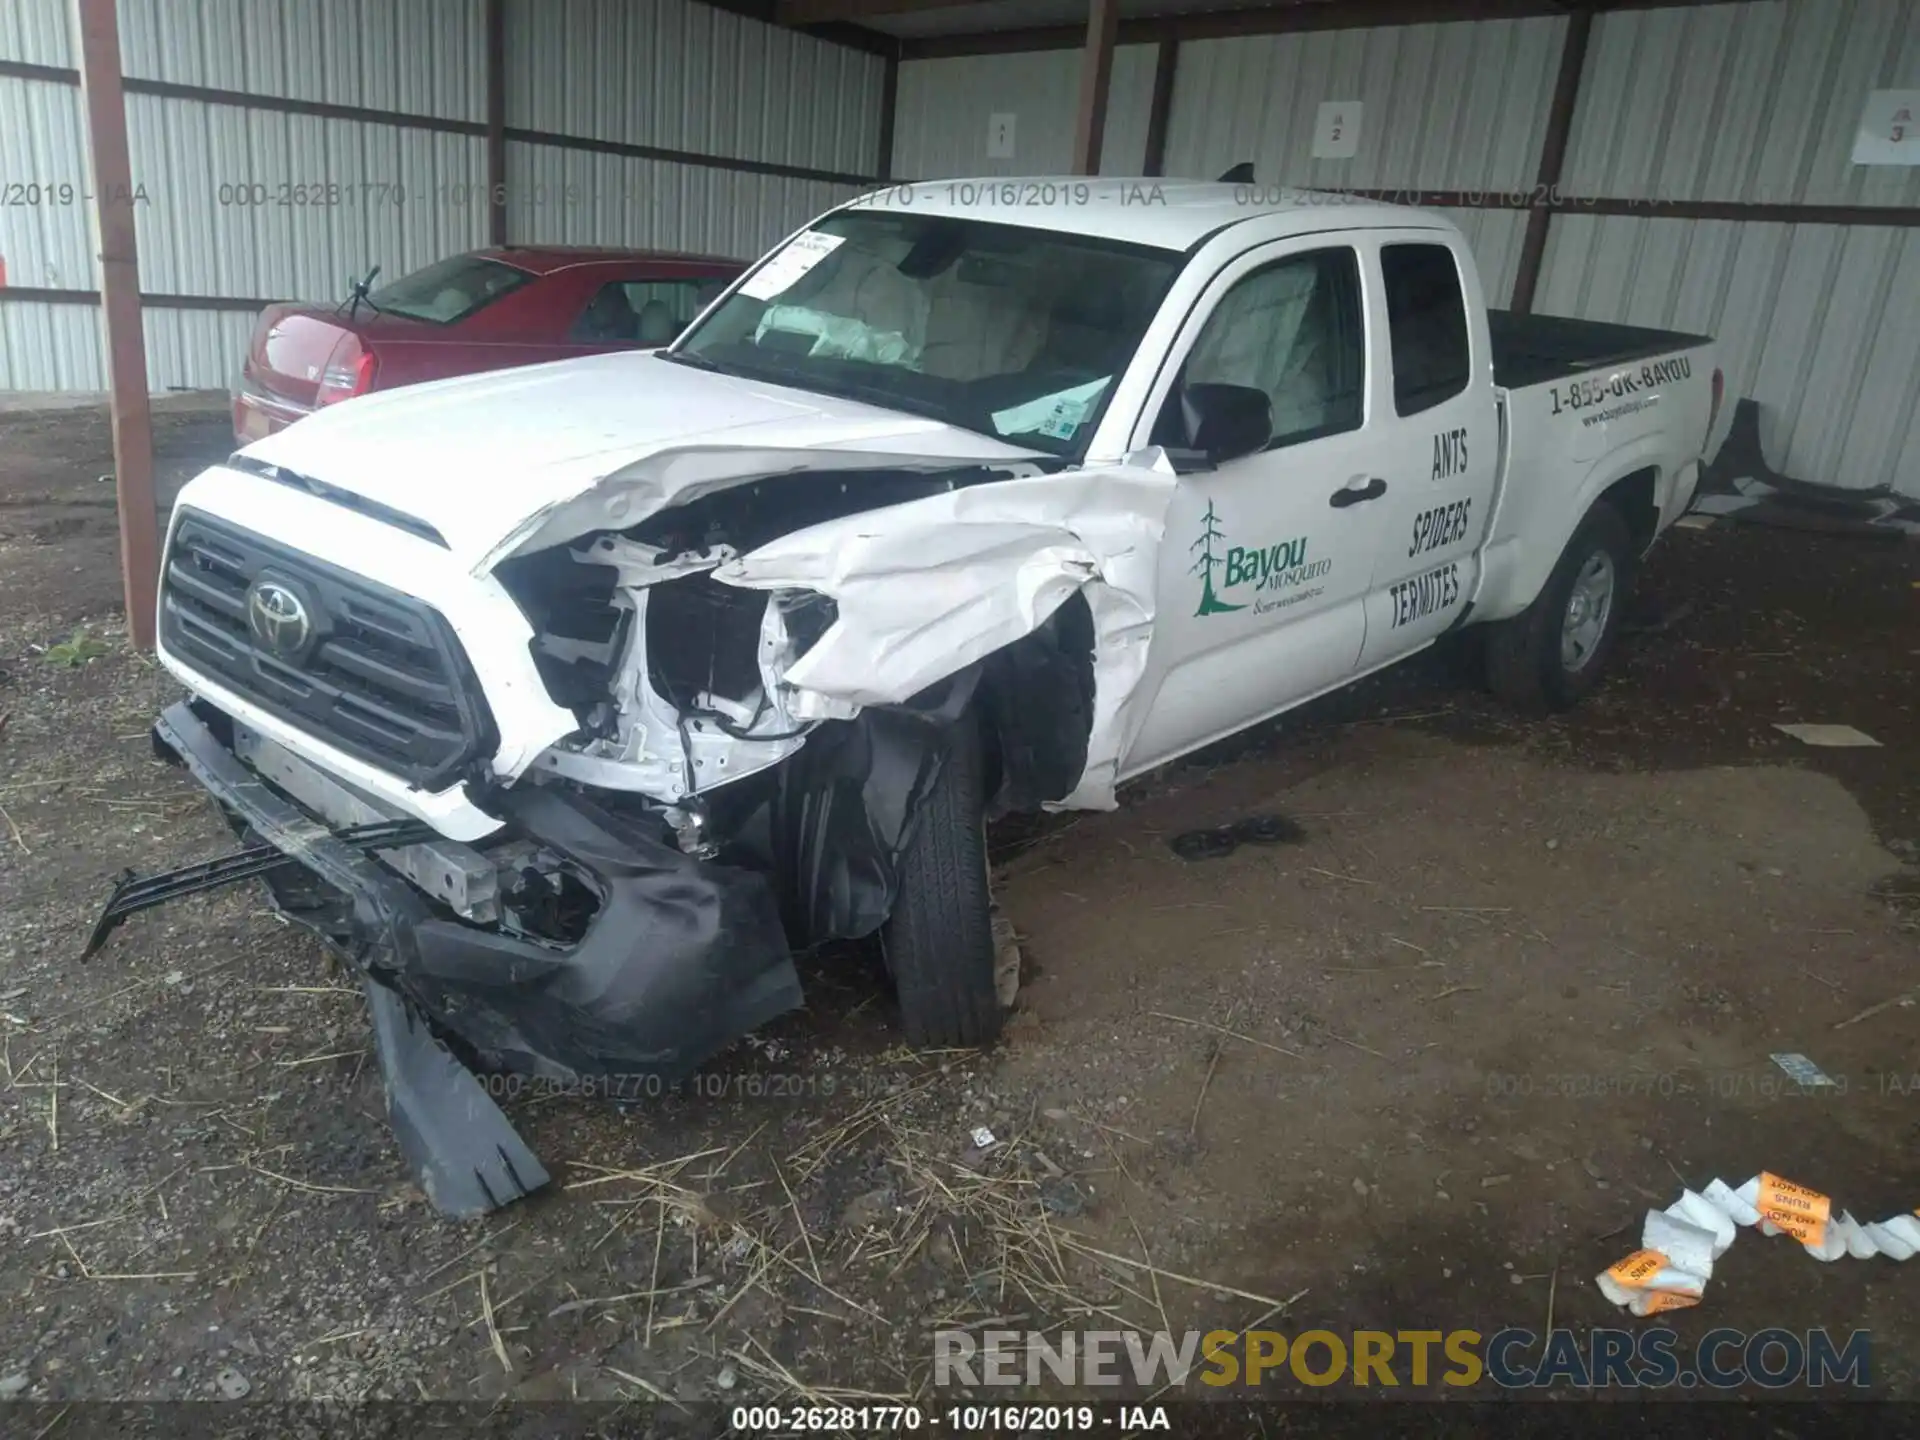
(1801,1212)
(1637,1269)
(1658,1300)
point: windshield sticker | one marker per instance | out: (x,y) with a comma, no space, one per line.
(779,274)
(1057,415)
(1064,419)
(1275,576)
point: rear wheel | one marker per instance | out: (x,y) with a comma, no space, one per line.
(940,942)
(1552,654)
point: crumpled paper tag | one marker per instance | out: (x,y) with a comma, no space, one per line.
(1800,1212)
(1646,1282)
(1679,1245)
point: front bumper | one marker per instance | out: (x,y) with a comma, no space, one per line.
(682,958)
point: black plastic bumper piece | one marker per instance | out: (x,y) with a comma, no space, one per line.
(681,959)
(467,1158)
(134,893)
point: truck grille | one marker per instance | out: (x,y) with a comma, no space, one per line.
(370,671)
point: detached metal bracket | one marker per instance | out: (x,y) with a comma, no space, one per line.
(134,893)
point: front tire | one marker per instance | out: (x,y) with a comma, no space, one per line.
(939,941)
(1551,655)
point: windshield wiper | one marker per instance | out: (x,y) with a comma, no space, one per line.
(884,399)
(694,362)
(358,294)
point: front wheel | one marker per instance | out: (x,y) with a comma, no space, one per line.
(939,942)
(1552,654)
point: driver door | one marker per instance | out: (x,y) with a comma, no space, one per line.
(1268,559)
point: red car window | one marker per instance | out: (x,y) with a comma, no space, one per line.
(642,312)
(449,290)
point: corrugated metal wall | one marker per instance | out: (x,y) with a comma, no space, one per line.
(680,76)
(1758,103)
(420,57)
(35,32)
(259,204)
(44,244)
(685,76)
(572,197)
(941,119)
(1444,107)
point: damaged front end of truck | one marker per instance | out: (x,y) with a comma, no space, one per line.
(572,792)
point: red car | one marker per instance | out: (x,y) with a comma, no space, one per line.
(485,310)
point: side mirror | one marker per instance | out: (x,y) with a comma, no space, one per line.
(1224,422)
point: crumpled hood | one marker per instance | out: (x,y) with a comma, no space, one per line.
(483,457)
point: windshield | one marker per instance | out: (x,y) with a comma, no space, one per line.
(1015,333)
(449,290)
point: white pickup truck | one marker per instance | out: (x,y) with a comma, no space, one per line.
(572,701)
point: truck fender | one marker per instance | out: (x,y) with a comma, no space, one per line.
(924,589)
(1517,570)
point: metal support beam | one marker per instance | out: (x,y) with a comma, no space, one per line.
(496,22)
(822,12)
(1160,111)
(112,175)
(1281,19)
(889,106)
(1553,159)
(1096,75)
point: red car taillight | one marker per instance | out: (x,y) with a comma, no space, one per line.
(349,372)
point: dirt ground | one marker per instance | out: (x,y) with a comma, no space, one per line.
(1519,982)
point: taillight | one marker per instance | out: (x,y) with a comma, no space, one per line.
(1719,393)
(349,372)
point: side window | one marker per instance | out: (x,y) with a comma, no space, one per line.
(1427,317)
(1292,329)
(640,312)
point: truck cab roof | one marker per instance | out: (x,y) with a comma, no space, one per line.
(1146,210)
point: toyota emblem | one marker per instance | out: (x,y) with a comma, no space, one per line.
(278,618)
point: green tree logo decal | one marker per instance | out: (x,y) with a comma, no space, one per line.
(1210,604)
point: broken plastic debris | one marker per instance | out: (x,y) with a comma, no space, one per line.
(1829,736)
(1679,1245)
(1802,1071)
(982,1138)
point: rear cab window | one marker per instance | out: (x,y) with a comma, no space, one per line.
(450,290)
(1427,322)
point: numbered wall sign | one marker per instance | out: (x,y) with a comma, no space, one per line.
(1336,136)
(1000,136)
(1889,129)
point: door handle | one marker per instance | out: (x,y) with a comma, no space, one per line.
(1352,493)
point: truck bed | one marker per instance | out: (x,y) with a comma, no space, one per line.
(1535,349)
